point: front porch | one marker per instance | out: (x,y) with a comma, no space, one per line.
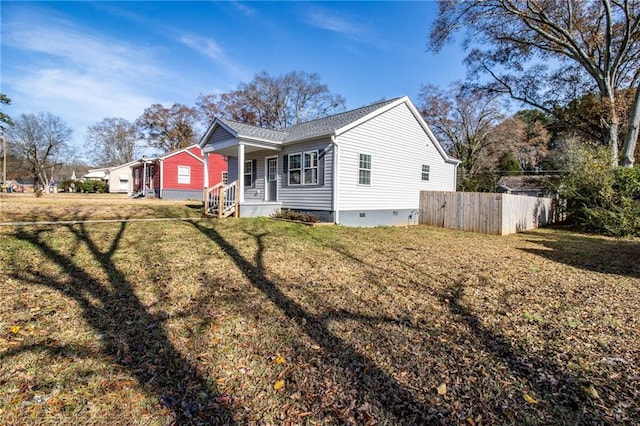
(223,200)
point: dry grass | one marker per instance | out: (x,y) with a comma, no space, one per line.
(200,321)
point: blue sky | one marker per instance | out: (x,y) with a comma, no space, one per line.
(86,61)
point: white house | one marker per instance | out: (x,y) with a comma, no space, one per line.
(364,167)
(118,178)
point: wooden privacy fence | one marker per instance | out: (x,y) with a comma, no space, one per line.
(489,213)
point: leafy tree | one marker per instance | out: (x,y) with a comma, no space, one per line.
(112,142)
(508,164)
(274,102)
(5,120)
(169,128)
(42,142)
(596,45)
(524,137)
(464,120)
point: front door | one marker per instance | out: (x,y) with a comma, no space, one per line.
(272,179)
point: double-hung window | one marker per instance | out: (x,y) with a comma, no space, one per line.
(425,172)
(248,173)
(184,174)
(303,168)
(364,169)
(311,168)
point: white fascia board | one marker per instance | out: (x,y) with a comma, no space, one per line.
(212,127)
(430,134)
(180,151)
(371,115)
(260,143)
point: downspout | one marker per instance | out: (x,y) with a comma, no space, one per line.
(336,158)
(161,176)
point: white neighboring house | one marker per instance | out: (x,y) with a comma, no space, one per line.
(118,178)
(121,179)
(364,167)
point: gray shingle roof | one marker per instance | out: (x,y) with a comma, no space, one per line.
(309,129)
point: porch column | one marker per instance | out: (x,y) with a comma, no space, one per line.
(206,170)
(241,173)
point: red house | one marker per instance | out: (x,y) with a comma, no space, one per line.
(178,175)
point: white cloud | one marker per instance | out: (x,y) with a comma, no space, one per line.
(57,66)
(320,18)
(212,50)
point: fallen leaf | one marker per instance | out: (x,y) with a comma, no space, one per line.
(591,392)
(278,385)
(280,360)
(529,399)
(15,329)
(442,389)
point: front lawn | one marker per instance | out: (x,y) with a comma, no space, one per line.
(255,321)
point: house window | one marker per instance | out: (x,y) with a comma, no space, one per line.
(136,177)
(364,170)
(425,172)
(303,168)
(311,168)
(225,178)
(184,174)
(295,169)
(248,173)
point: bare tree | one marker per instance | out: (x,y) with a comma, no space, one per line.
(112,142)
(596,45)
(42,142)
(169,128)
(464,120)
(274,102)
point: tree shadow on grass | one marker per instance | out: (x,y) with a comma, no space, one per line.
(588,252)
(561,392)
(133,337)
(373,382)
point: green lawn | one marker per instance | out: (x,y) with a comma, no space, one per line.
(255,321)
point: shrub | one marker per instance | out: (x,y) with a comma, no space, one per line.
(92,186)
(601,199)
(295,215)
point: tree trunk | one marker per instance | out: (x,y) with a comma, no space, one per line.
(629,147)
(614,125)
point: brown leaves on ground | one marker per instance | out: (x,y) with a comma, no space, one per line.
(265,322)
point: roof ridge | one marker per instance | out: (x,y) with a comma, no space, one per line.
(350,111)
(251,125)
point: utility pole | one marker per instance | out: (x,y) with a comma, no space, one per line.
(4,161)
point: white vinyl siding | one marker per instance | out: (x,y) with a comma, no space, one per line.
(398,146)
(310,196)
(184,174)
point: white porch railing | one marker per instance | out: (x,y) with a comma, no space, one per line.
(222,200)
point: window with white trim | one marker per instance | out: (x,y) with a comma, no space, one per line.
(425,172)
(248,173)
(364,169)
(225,178)
(295,169)
(184,174)
(303,168)
(311,168)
